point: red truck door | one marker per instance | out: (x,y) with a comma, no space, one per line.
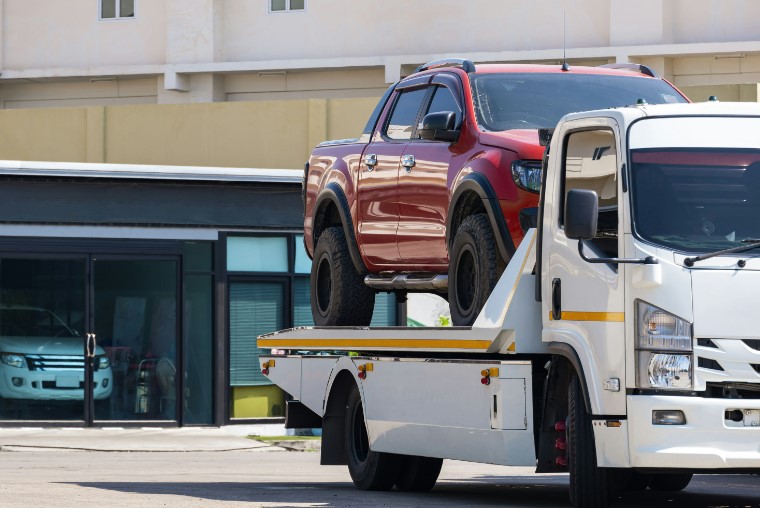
(423,185)
(378,179)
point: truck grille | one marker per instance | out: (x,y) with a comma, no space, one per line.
(56,363)
(730,368)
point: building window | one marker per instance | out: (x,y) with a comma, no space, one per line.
(286,5)
(117,9)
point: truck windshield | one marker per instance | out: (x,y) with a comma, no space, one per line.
(696,182)
(506,101)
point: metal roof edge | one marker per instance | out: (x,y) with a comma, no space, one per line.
(149,172)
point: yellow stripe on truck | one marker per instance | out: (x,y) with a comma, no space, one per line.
(609,317)
(350,344)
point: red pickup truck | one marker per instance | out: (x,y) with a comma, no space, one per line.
(429,197)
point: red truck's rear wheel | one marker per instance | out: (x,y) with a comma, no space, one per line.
(339,296)
(474,269)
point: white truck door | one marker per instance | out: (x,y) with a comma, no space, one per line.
(583,303)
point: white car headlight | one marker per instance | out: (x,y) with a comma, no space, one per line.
(12,359)
(103,362)
(664,344)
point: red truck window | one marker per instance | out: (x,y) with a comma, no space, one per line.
(405,111)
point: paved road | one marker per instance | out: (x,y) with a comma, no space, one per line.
(277,479)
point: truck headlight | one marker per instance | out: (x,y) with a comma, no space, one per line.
(527,175)
(103,362)
(664,371)
(657,329)
(664,345)
(12,359)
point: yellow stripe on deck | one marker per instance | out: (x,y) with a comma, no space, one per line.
(350,344)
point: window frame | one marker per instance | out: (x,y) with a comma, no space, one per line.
(117,9)
(287,7)
(428,89)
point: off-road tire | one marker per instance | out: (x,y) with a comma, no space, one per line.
(369,470)
(670,482)
(418,474)
(339,296)
(590,485)
(475,266)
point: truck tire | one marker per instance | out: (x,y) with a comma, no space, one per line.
(418,474)
(475,266)
(670,482)
(369,470)
(590,485)
(339,296)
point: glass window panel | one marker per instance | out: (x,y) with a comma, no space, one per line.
(257,254)
(444,100)
(405,111)
(278,5)
(385,310)
(107,9)
(255,308)
(198,349)
(303,263)
(127,9)
(302,302)
(197,257)
(297,5)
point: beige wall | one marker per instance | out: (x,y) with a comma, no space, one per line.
(265,134)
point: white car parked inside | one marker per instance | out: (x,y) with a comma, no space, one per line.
(41,358)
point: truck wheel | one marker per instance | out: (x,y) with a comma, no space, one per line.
(590,485)
(475,266)
(339,296)
(418,474)
(369,470)
(670,482)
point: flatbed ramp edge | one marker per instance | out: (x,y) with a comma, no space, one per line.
(409,380)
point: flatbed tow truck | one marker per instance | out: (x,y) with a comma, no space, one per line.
(619,345)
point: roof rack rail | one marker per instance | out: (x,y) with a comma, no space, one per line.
(466,65)
(632,67)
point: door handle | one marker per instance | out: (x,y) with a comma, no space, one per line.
(91,345)
(371,161)
(556,299)
(408,162)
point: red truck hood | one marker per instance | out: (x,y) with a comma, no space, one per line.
(522,141)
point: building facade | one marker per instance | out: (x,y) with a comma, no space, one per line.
(171,277)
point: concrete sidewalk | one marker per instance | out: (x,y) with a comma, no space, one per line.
(143,439)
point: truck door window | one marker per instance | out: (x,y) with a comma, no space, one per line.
(405,111)
(443,100)
(590,162)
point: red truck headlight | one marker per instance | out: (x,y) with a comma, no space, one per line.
(527,175)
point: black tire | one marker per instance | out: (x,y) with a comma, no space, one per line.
(670,482)
(590,485)
(475,266)
(339,296)
(369,470)
(418,474)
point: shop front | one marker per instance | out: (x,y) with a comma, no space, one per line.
(133,294)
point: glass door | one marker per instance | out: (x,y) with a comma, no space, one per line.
(42,339)
(134,309)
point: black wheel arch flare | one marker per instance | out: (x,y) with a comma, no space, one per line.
(333,194)
(479,184)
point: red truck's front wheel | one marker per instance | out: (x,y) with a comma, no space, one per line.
(339,296)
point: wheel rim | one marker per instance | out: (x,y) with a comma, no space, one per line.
(359,439)
(324,285)
(466,280)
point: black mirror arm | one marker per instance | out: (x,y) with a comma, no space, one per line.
(649,260)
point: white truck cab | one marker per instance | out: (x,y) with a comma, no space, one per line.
(619,344)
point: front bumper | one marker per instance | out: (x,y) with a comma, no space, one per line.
(706,441)
(52,385)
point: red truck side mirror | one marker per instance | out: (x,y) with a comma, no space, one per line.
(440,126)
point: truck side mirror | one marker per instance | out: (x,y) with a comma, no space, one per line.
(581,213)
(439,126)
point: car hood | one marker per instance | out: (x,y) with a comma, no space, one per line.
(44,345)
(523,141)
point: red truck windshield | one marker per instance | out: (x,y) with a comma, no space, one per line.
(506,101)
